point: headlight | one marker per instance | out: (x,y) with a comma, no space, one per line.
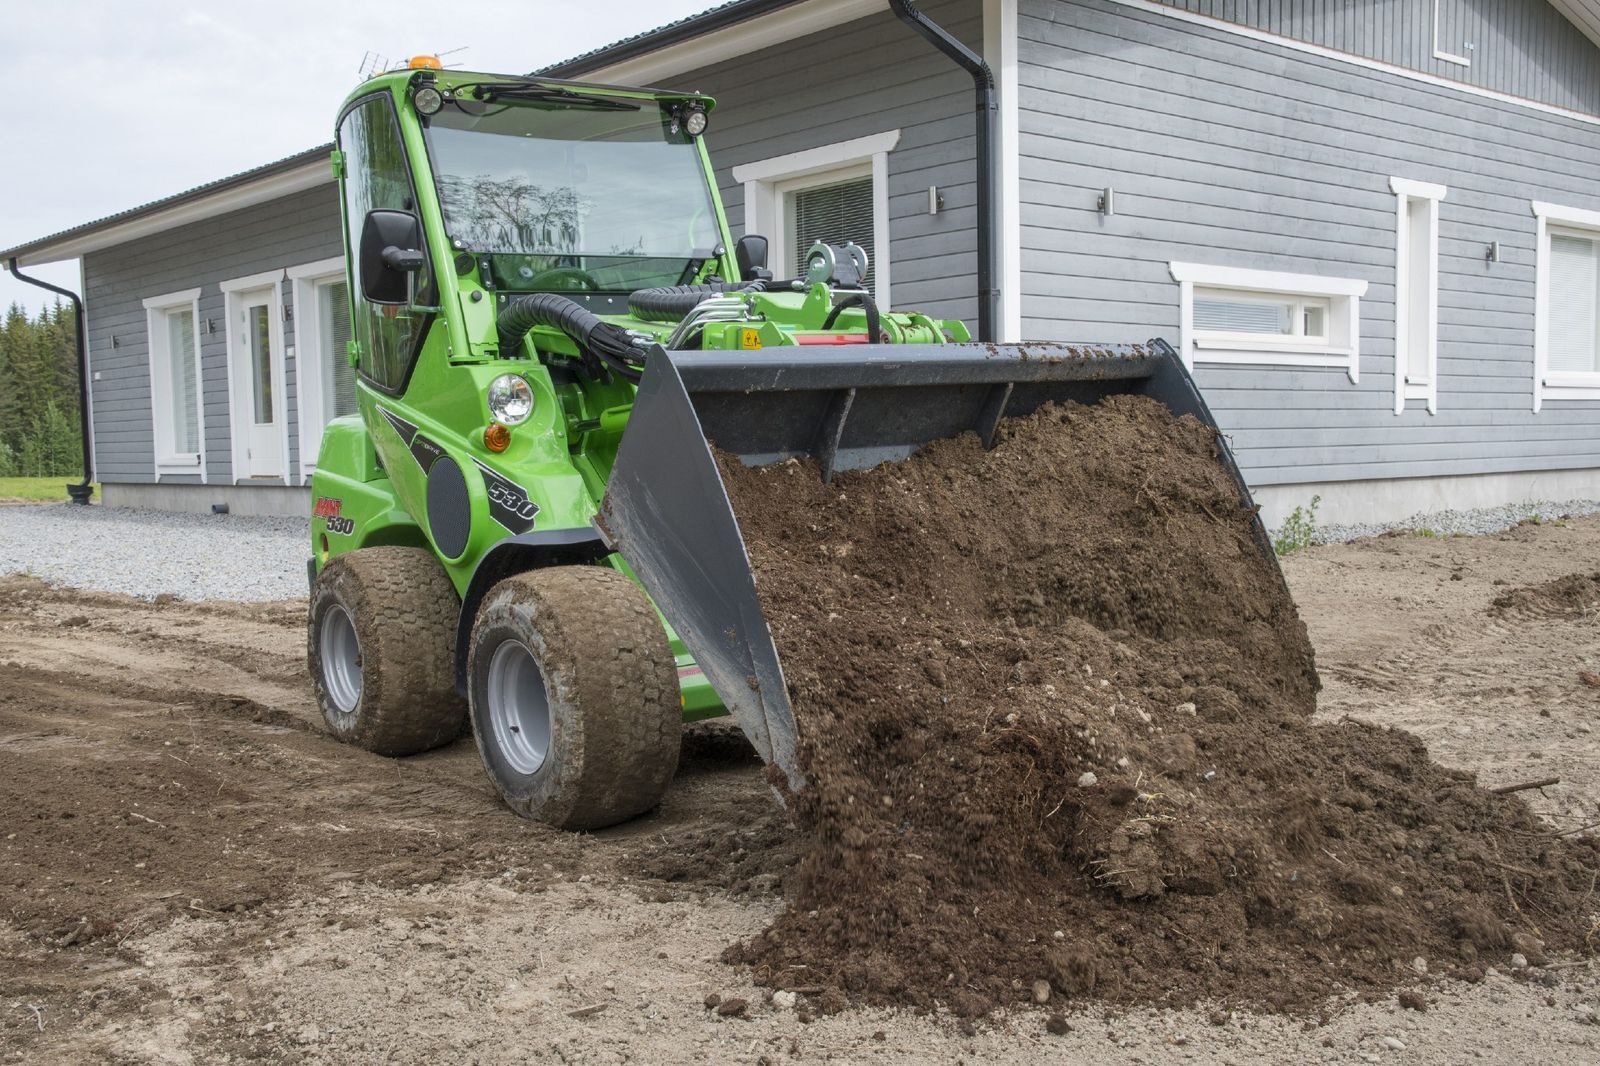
(510,399)
(695,121)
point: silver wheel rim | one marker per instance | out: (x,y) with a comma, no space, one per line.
(341,659)
(519,707)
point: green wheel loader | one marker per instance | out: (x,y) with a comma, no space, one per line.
(524,530)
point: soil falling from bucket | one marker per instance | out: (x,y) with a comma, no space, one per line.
(1054,702)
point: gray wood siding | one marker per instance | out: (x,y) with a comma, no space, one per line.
(297,229)
(863,78)
(1240,153)
(1523,47)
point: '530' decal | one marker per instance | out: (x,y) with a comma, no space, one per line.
(508,502)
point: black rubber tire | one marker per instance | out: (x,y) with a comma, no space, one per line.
(404,610)
(615,720)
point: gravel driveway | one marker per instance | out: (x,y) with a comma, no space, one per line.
(150,553)
(250,558)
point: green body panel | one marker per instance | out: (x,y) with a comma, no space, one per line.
(368,489)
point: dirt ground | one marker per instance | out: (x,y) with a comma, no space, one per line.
(190,871)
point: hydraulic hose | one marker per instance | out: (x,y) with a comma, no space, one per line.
(671,303)
(863,301)
(601,343)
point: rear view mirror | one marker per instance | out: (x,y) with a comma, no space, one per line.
(391,251)
(750,256)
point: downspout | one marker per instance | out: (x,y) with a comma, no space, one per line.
(988,139)
(80,493)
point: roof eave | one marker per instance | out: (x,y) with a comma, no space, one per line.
(717,36)
(295,174)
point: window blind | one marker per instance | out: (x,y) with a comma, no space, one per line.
(835,213)
(1242,316)
(1573,291)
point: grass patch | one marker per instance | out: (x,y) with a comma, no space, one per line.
(44,489)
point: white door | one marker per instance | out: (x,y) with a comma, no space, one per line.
(256,363)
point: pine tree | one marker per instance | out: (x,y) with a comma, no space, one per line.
(39,432)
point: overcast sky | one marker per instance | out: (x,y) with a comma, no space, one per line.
(127,103)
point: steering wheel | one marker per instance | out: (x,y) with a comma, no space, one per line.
(564,278)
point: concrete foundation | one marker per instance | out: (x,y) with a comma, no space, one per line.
(1350,502)
(290,501)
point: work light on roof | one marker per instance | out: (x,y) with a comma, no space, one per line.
(427,100)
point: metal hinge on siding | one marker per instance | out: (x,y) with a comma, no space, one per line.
(352,353)
(336,158)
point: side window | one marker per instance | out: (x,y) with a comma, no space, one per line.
(376,176)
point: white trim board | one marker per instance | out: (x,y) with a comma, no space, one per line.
(816,160)
(1000,52)
(1439,53)
(88,372)
(1547,386)
(1354,60)
(1406,385)
(766,181)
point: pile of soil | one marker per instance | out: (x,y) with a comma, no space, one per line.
(1572,596)
(1055,702)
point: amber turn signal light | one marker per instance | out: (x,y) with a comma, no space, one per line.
(497,437)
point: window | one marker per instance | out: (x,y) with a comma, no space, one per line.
(1566,343)
(173,328)
(322,352)
(835,193)
(1268,318)
(835,211)
(1416,292)
(1573,345)
(1222,315)
(376,175)
(333,317)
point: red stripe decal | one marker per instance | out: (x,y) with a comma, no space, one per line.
(831,338)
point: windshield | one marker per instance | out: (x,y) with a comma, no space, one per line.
(572,196)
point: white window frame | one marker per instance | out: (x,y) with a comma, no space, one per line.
(311,382)
(766,181)
(238,442)
(1341,348)
(1565,386)
(1405,190)
(167,459)
(1441,54)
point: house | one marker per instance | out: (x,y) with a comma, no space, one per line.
(1371,228)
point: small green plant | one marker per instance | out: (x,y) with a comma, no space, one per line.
(1424,531)
(1298,529)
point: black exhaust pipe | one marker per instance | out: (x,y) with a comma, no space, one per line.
(988,160)
(81,493)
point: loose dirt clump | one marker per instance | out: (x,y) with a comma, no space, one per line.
(1054,703)
(1572,596)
